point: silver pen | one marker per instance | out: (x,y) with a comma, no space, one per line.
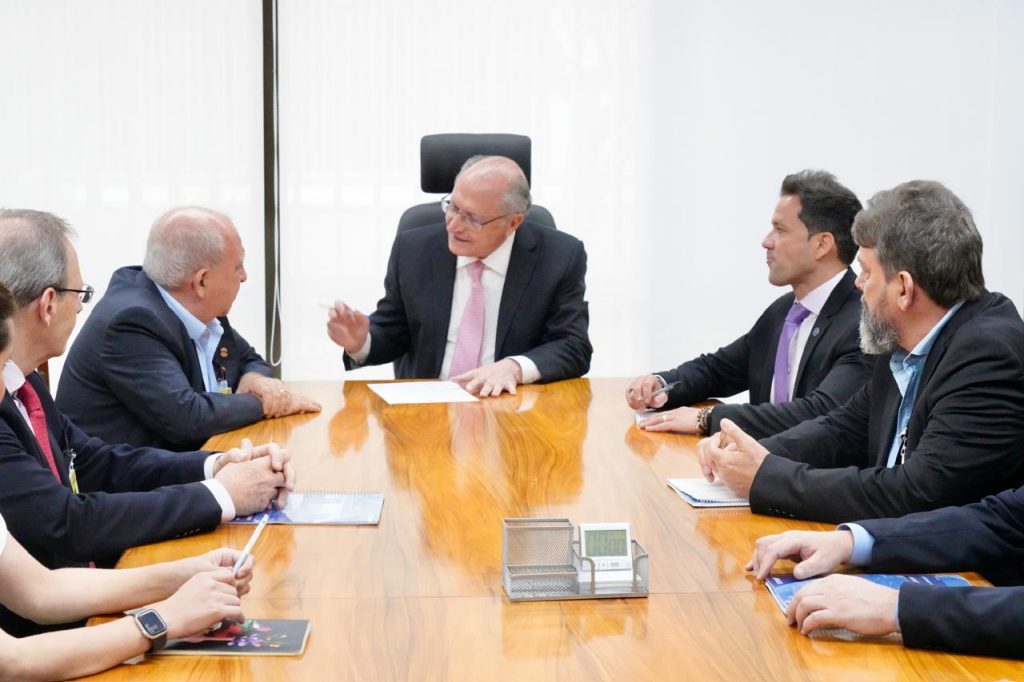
(665,389)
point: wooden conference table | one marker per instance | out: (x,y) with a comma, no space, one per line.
(420,596)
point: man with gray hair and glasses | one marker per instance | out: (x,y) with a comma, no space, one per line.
(157,363)
(71,498)
(940,423)
(485,298)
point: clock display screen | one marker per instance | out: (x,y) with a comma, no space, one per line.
(606,543)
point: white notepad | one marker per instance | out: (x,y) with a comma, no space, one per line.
(317,507)
(421,392)
(699,493)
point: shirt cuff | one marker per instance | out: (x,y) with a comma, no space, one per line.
(359,357)
(209,463)
(220,493)
(661,380)
(863,544)
(896,615)
(527,367)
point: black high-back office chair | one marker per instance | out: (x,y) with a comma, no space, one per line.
(441,157)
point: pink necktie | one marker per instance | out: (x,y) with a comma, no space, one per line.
(30,399)
(470,341)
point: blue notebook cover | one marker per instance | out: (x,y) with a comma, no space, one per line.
(325,508)
(783,588)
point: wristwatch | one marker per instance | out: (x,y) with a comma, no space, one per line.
(152,627)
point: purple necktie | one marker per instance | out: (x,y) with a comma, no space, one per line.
(470,339)
(796,315)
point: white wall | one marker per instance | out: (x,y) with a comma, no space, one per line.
(114,111)
(361,83)
(661,131)
(878,92)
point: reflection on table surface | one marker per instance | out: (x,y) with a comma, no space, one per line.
(420,595)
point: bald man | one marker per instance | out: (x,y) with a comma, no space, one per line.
(486,298)
(157,363)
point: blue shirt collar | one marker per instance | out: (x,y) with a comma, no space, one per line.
(901,357)
(193,325)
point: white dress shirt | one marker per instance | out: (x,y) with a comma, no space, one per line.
(14,379)
(814,302)
(493,280)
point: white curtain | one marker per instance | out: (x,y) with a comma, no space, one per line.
(661,131)
(116,110)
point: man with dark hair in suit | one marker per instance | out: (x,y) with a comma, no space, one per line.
(940,423)
(801,358)
(485,299)
(157,363)
(987,621)
(73,499)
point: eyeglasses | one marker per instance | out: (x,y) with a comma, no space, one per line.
(453,211)
(84,295)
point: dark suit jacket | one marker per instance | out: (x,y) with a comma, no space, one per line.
(976,620)
(129,496)
(832,367)
(542,314)
(964,436)
(132,375)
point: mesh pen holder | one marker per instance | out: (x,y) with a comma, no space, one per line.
(541,561)
(536,559)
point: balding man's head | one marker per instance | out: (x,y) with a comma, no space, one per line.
(504,172)
(183,241)
(486,205)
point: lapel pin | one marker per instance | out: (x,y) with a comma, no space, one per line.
(224,351)
(814,332)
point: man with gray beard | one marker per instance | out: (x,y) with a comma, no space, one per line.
(942,420)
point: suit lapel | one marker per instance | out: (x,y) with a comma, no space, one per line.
(521,264)
(191,361)
(889,412)
(440,287)
(832,305)
(966,313)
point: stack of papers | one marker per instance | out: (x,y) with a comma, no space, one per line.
(422,392)
(699,493)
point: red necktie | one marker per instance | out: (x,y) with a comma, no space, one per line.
(30,399)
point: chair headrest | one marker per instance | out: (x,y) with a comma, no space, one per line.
(441,156)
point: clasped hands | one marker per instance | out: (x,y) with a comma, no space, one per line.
(256,477)
(732,457)
(645,393)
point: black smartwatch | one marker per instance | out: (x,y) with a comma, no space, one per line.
(152,627)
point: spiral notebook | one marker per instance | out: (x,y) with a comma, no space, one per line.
(699,493)
(315,507)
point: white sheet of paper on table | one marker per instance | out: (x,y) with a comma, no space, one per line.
(421,392)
